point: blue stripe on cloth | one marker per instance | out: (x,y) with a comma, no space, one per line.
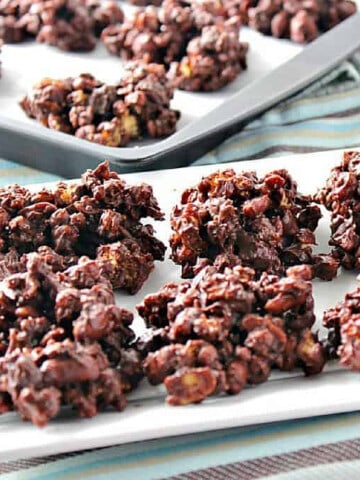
(153,460)
(11,172)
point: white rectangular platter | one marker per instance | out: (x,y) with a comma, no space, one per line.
(285,396)
(26,63)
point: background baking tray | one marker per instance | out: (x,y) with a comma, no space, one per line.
(275,72)
(24,140)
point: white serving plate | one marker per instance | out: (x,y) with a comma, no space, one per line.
(283,397)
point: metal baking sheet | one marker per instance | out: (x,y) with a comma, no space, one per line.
(26,63)
(277,69)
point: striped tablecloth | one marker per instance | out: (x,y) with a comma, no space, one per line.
(323,117)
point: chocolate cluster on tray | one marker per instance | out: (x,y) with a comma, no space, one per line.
(226,330)
(110,115)
(99,216)
(144,3)
(300,20)
(341,197)
(212,60)
(196,40)
(343,322)
(67,24)
(265,222)
(63,342)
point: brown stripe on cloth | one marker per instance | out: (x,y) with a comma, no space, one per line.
(16,465)
(342,114)
(265,466)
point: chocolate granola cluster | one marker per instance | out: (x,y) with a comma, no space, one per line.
(205,9)
(198,37)
(67,24)
(226,329)
(110,115)
(343,322)
(341,196)
(63,342)
(265,222)
(300,20)
(100,217)
(212,60)
(143,3)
